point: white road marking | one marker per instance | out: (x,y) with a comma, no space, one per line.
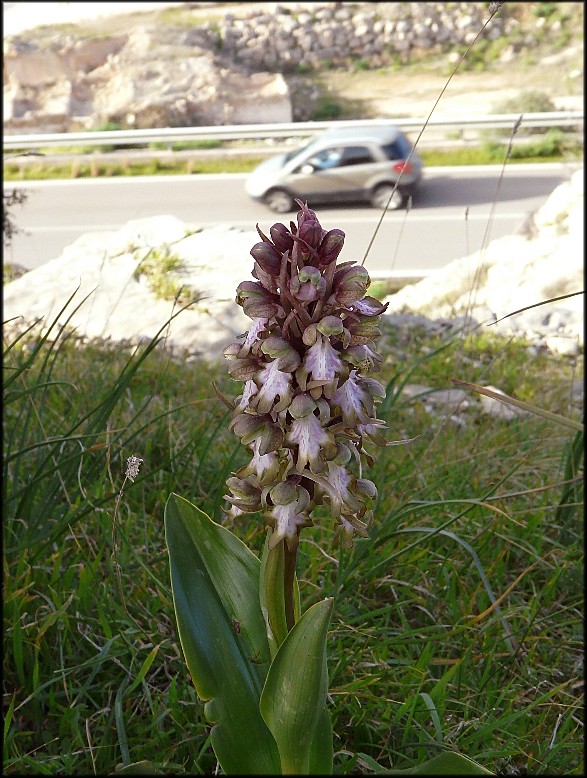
(247,224)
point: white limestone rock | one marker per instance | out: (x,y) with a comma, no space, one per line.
(514,272)
(121,306)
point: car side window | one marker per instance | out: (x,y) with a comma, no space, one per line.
(327,158)
(357,155)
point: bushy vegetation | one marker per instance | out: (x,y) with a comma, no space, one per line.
(9,227)
(162,270)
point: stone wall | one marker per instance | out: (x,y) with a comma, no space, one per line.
(338,33)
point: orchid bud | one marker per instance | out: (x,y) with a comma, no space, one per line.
(267,256)
(305,214)
(251,428)
(363,332)
(283,493)
(331,246)
(306,293)
(243,369)
(367,488)
(256,301)
(310,233)
(311,274)
(330,325)
(302,405)
(363,358)
(244,495)
(279,349)
(350,285)
(232,351)
(282,238)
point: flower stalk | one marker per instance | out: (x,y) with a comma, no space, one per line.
(289,575)
(307,408)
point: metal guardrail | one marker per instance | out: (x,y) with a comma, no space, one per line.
(283,130)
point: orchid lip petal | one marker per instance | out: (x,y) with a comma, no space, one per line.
(275,389)
(322,360)
(309,436)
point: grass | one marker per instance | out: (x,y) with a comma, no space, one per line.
(40,172)
(162,269)
(457,624)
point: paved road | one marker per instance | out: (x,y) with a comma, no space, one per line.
(452,216)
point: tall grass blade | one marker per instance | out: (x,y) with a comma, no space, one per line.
(524,406)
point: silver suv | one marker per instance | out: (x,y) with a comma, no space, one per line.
(340,165)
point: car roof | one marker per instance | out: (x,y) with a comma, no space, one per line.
(378,133)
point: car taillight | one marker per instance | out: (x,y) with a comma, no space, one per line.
(405,167)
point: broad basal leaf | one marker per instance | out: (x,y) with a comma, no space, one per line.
(293,701)
(215,581)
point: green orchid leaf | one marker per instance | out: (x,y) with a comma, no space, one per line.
(321,751)
(272,595)
(293,700)
(446,763)
(215,582)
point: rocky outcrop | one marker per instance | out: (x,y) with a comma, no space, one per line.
(147,78)
(127,305)
(515,272)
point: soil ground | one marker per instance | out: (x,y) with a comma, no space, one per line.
(413,92)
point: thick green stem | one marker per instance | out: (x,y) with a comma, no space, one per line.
(289,575)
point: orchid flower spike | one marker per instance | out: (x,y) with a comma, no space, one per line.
(306,406)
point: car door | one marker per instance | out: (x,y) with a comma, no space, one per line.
(355,169)
(336,173)
(313,176)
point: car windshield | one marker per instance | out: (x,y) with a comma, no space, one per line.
(299,150)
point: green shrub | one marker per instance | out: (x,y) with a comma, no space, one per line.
(544,9)
(360,64)
(327,108)
(531,101)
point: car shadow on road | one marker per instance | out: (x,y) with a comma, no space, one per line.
(447,191)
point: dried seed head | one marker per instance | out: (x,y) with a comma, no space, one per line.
(132,467)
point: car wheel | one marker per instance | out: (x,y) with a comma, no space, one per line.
(381,195)
(279,200)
